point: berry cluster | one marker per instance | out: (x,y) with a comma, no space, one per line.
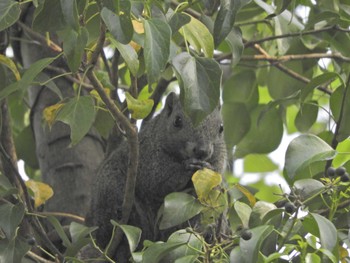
(340,171)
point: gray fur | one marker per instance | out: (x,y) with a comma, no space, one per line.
(169,156)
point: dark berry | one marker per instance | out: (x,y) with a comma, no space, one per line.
(340,171)
(330,171)
(290,208)
(345,177)
(246,234)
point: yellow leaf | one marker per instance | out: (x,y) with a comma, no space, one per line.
(50,113)
(247,194)
(139,109)
(138,27)
(41,191)
(204,181)
(11,65)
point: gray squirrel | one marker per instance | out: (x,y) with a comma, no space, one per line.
(171,150)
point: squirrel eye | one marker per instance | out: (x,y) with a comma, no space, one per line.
(177,122)
(221,129)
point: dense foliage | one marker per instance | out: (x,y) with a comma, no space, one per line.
(279,67)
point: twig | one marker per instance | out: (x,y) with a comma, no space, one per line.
(310,32)
(38,258)
(292,57)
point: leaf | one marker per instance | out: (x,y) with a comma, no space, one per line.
(183,205)
(236,126)
(156,47)
(10,12)
(240,87)
(343,150)
(139,109)
(6,187)
(70,13)
(344,129)
(11,217)
(60,230)
(199,80)
(119,24)
(28,77)
(303,151)
(258,213)
(306,116)
(50,113)
(79,114)
(52,9)
(251,248)
(191,245)
(258,163)
(235,41)
(74,46)
(25,143)
(225,18)
(177,21)
(10,64)
(204,181)
(79,234)
(324,228)
(306,188)
(243,211)
(247,194)
(265,134)
(129,55)
(132,233)
(199,37)
(13,250)
(157,251)
(42,192)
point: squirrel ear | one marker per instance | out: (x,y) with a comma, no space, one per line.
(170,102)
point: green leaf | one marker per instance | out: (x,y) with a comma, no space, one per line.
(10,11)
(322,228)
(178,20)
(303,151)
(243,211)
(13,250)
(191,246)
(156,47)
(132,233)
(60,231)
(236,126)
(25,144)
(199,37)
(11,217)
(306,188)
(258,163)
(11,65)
(6,187)
(240,87)
(74,46)
(306,116)
(258,213)
(235,41)
(199,80)
(343,150)
(344,129)
(28,77)
(79,114)
(70,13)
(183,205)
(119,24)
(265,134)
(52,9)
(225,18)
(157,251)
(251,248)
(79,234)
(204,181)
(139,109)
(129,55)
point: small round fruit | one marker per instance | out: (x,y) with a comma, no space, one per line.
(345,177)
(340,171)
(246,234)
(330,171)
(290,207)
(31,241)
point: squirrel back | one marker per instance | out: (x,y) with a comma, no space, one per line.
(171,150)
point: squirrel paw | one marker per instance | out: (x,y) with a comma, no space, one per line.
(195,164)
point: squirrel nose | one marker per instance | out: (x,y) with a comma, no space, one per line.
(202,151)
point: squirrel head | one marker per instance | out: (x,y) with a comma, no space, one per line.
(181,139)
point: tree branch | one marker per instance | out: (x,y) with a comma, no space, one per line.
(310,32)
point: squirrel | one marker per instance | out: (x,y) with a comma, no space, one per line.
(171,149)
